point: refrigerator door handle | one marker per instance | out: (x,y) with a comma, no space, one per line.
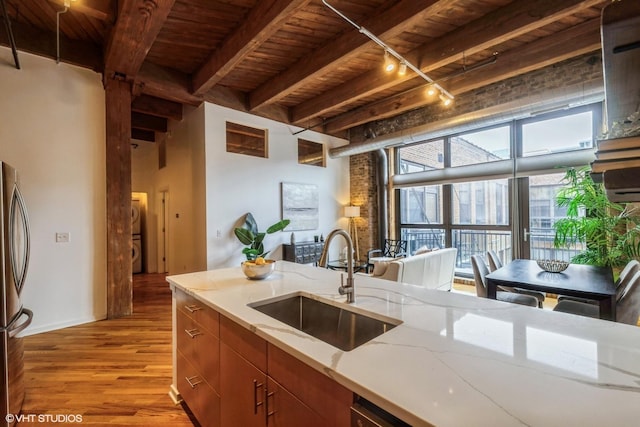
(18,207)
(21,327)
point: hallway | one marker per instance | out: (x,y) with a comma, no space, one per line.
(112,372)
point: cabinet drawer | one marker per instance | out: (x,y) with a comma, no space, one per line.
(244,342)
(203,401)
(316,390)
(198,311)
(200,347)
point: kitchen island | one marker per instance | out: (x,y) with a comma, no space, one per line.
(454,360)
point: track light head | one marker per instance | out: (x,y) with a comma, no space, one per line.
(403,68)
(446,101)
(431,91)
(389,63)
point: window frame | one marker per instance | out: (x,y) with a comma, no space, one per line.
(473,173)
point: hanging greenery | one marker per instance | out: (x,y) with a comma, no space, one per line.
(610,230)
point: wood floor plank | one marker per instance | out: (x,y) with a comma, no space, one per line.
(113,372)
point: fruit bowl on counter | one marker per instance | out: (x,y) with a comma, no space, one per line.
(259,268)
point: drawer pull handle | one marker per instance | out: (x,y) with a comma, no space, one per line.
(193,332)
(193,381)
(256,386)
(268,412)
(193,308)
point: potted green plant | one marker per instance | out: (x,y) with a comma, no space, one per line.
(253,239)
(610,230)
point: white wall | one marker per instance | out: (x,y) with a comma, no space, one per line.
(183,177)
(52,129)
(237,184)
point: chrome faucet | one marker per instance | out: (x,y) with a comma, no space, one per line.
(350,289)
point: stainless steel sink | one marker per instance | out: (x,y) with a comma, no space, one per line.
(341,327)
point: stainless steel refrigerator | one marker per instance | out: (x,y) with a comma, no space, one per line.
(14,318)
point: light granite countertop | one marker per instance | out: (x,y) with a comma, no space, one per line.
(456,360)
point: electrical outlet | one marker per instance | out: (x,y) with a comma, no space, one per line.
(63,237)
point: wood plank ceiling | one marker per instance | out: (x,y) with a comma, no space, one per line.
(297,61)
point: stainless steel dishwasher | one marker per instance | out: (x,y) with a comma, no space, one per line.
(366,414)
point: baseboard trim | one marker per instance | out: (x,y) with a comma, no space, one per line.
(174,394)
(55,326)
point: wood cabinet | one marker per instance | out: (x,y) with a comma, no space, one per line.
(285,410)
(318,392)
(243,389)
(198,358)
(229,376)
(262,385)
(243,382)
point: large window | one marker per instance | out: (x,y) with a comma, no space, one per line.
(480,202)
(564,133)
(421,157)
(488,145)
(453,200)
(421,205)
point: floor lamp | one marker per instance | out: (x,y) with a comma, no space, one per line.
(352,212)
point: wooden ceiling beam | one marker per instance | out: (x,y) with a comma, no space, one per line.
(143,135)
(135,30)
(511,21)
(43,43)
(265,19)
(175,86)
(157,107)
(575,41)
(98,9)
(348,45)
(148,122)
(166,84)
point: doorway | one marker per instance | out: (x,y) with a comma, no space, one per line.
(163,231)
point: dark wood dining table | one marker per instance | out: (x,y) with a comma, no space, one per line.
(584,281)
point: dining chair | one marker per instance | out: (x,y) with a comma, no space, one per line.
(625,276)
(495,263)
(628,306)
(480,271)
(494,260)
(576,307)
(392,249)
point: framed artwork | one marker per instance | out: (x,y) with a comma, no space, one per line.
(300,205)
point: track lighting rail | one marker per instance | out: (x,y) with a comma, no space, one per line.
(390,51)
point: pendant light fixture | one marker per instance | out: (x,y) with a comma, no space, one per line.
(390,64)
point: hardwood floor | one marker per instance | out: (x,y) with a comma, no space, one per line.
(112,372)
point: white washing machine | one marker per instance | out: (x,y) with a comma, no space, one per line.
(136,254)
(135,216)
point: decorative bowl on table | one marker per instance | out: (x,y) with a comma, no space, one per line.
(259,268)
(552,265)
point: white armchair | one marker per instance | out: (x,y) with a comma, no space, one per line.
(433,270)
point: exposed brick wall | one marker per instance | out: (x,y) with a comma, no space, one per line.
(583,69)
(364,194)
